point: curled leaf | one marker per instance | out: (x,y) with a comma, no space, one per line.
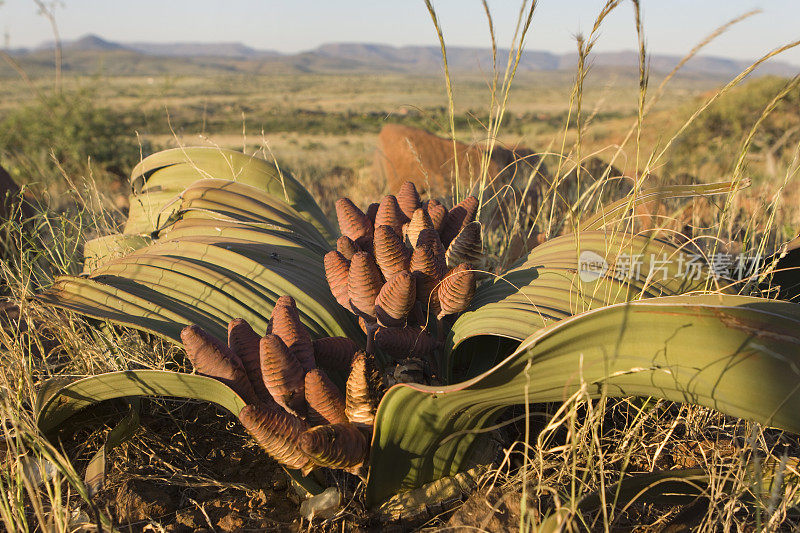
(429,271)
(396,299)
(390,214)
(419,221)
(244,342)
(286,324)
(391,254)
(337,268)
(346,247)
(408,198)
(212,358)
(364,283)
(353,223)
(278,433)
(400,343)
(335,353)
(325,401)
(335,445)
(467,247)
(457,289)
(363,392)
(437,212)
(458,217)
(283,375)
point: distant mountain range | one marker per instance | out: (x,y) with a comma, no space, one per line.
(86,53)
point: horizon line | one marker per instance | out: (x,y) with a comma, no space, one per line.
(50,43)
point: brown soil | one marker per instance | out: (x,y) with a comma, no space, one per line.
(191,467)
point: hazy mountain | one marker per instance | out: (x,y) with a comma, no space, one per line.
(180,49)
(85,43)
(428,59)
(238,50)
(709,65)
(88,54)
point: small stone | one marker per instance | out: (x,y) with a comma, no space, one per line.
(322,505)
(230,522)
(189,518)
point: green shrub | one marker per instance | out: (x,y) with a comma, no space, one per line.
(74,128)
(711,144)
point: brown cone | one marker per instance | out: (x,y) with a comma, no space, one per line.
(278,433)
(400,343)
(419,221)
(396,299)
(211,358)
(390,214)
(353,223)
(428,270)
(456,290)
(467,247)
(437,212)
(417,316)
(337,268)
(346,247)
(372,210)
(286,324)
(335,353)
(391,254)
(458,217)
(243,342)
(363,391)
(325,401)
(283,375)
(408,199)
(335,445)
(364,283)
(429,237)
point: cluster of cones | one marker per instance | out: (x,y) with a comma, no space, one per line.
(403,262)
(294,410)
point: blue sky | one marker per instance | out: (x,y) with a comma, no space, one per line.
(671,26)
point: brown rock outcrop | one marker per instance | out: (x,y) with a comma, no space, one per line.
(408,153)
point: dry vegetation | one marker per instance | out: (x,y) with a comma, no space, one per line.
(71,154)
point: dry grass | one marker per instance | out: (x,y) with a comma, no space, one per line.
(560,453)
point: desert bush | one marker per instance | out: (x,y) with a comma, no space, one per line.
(710,146)
(71,128)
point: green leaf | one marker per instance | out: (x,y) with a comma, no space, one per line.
(229,200)
(684,486)
(65,401)
(96,469)
(160,178)
(667,487)
(58,403)
(612,213)
(738,355)
(206,281)
(551,284)
(102,249)
(230,251)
